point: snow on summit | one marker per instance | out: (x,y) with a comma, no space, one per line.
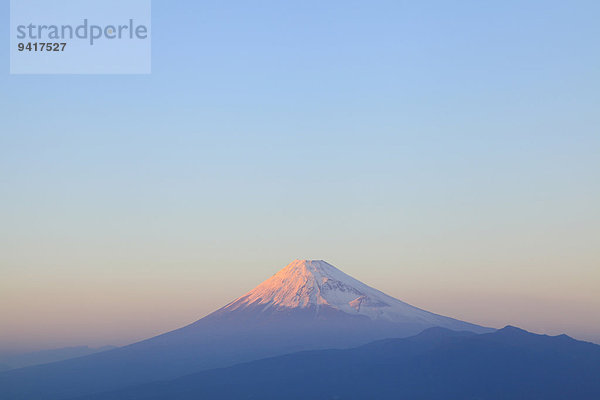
(312,284)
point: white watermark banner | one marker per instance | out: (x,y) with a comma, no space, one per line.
(80,37)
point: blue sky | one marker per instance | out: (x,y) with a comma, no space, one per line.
(445,152)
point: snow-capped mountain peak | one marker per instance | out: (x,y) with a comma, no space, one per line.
(302,284)
(313,284)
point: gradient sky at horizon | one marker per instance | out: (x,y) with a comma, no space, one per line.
(447,153)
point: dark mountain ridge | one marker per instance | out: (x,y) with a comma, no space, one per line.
(434,365)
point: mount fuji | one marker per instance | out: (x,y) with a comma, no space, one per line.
(308,305)
(323,291)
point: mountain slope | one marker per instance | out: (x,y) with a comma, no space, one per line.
(437,364)
(308,305)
